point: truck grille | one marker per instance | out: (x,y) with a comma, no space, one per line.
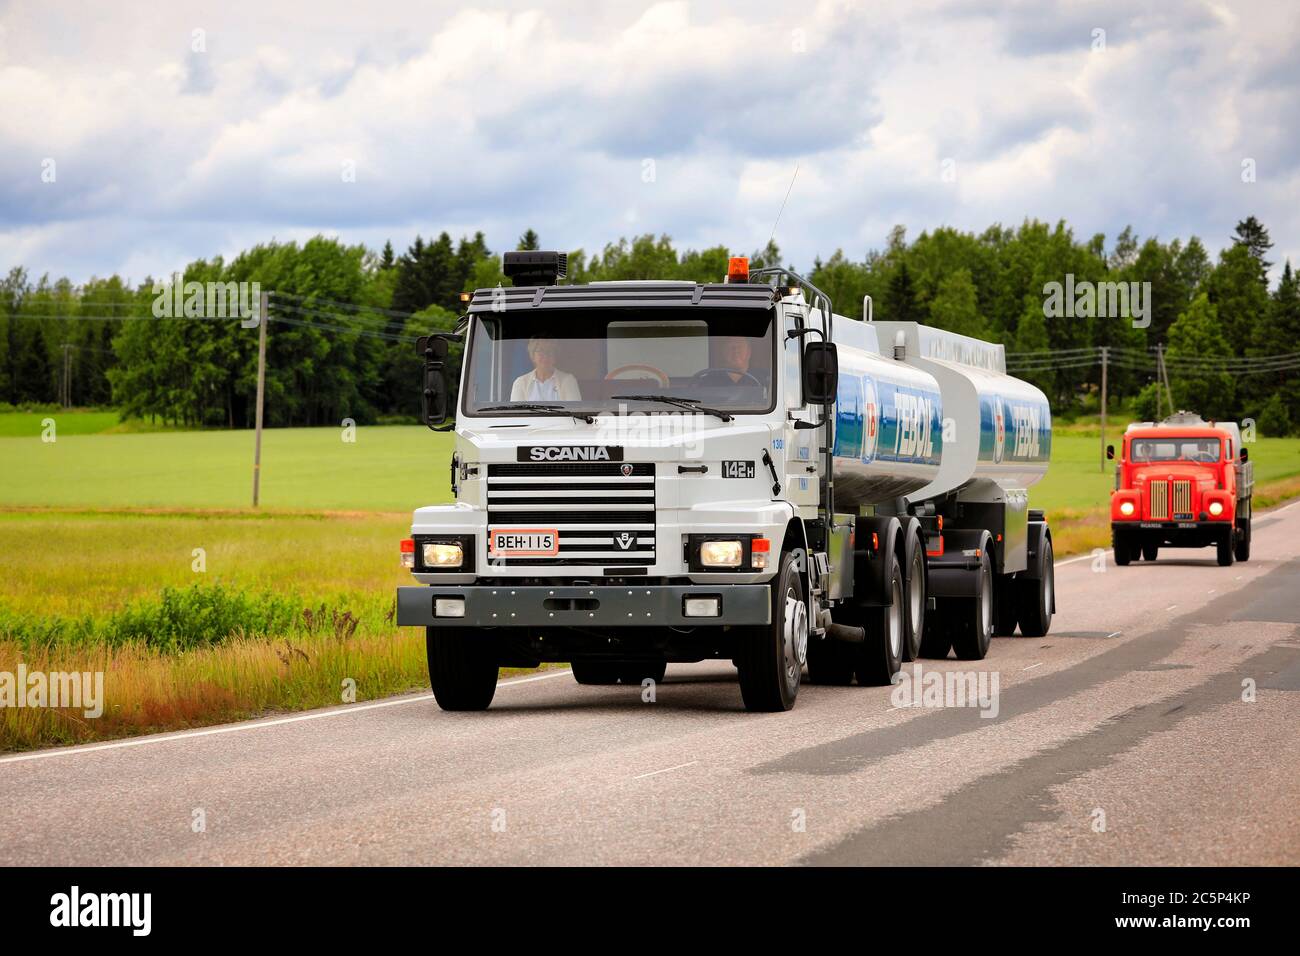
(594,506)
(1183,500)
(1159,501)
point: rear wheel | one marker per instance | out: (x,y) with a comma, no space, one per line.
(972,620)
(880,655)
(1035,596)
(462,668)
(1149,551)
(914,623)
(1225,547)
(1005,593)
(770,659)
(829,662)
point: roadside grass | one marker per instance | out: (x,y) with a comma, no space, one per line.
(110,542)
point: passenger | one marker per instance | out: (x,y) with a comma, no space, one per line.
(545,383)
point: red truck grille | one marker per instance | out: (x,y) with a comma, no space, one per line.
(1161,493)
(1159,507)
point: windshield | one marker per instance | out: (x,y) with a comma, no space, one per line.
(590,360)
(1175,449)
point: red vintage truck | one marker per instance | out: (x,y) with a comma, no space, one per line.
(1181,483)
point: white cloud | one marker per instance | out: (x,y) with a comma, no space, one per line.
(507,116)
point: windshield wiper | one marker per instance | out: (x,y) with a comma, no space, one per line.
(538,407)
(693,404)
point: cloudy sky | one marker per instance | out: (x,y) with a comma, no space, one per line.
(174,130)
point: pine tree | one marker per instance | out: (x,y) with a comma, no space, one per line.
(1252,234)
(386,260)
(900,297)
(528,242)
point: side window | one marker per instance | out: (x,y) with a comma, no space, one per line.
(793,358)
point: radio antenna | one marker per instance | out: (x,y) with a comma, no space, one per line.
(783,202)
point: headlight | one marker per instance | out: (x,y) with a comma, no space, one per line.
(441,554)
(722,554)
(1216,508)
(1126,508)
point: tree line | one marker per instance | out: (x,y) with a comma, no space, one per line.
(344,319)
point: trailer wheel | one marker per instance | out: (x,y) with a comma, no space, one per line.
(1035,597)
(1225,547)
(880,656)
(914,583)
(1149,551)
(1243,542)
(1005,599)
(462,670)
(972,620)
(770,659)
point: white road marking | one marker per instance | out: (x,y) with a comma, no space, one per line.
(254,725)
(642,776)
(1061,564)
(1032,666)
(1114,633)
(1171,607)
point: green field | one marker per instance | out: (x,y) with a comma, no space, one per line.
(393,468)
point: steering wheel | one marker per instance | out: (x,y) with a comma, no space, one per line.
(706,372)
(658,373)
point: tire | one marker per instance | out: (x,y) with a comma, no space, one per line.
(829,661)
(879,657)
(462,670)
(770,658)
(914,584)
(1006,594)
(636,672)
(936,642)
(595,672)
(1225,549)
(972,620)
(1123,549)
(1035,597)
(1149,551)
(1242,550)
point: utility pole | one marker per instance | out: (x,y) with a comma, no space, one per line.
(1160,376)
(261,392)
(1105,356)
(1164,377)
(65,380)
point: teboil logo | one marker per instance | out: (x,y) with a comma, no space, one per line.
(134,910)
(570,453)
(77,690)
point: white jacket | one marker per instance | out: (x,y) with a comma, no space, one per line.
(561,386)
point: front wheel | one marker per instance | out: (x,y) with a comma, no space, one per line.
(1123,548)
(462,669)
(1149,551)
(914,584)
(1243,542)
(770,658)
(1226,553)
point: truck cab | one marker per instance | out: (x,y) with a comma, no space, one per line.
(1181,483)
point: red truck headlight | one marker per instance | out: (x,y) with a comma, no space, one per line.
(1216,509)
(1126,508)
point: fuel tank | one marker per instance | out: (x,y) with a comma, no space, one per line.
(888,421)
(995,427)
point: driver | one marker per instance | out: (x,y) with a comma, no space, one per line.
(545,382)
(734,353)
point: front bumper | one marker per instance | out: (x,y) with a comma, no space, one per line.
(601,606)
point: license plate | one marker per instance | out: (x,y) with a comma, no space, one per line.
(505,542)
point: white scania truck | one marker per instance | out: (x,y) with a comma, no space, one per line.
(656,472)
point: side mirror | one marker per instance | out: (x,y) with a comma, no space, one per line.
(1245,456)
(821,372)
(1110,452)
(433,406)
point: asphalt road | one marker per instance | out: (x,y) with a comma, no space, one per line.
(1120,738)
